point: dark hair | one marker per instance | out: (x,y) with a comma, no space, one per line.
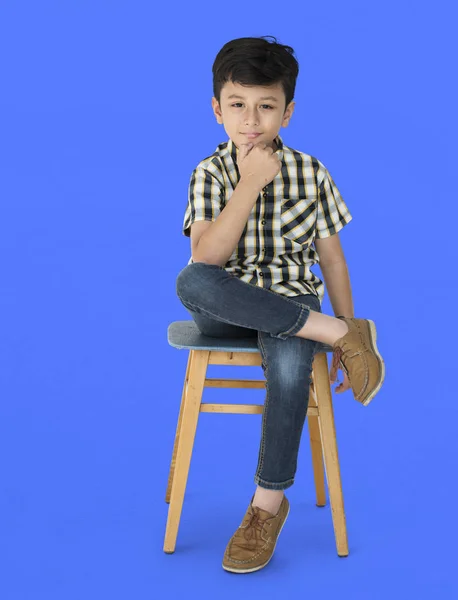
(255,61)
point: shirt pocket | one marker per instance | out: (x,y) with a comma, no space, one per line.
(298,219)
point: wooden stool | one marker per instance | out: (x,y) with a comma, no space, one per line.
(204,351)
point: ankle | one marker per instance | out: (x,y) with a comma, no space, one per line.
(337,330)
(323,328)
(269,500)
(341,329)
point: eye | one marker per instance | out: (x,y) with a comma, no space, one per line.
(268,105)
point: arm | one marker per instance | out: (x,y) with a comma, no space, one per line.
(335,274)
(214,242)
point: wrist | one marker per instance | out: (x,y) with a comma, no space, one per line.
(251,182)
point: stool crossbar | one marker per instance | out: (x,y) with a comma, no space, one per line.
(204,351)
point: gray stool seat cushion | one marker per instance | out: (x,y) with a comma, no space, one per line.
(186,335)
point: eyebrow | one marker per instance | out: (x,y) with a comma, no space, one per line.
(263,97)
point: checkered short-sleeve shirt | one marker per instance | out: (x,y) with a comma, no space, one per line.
(276,249)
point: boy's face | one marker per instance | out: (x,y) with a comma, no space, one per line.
(251,112)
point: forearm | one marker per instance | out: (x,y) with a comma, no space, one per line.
(219,241)
(337,283)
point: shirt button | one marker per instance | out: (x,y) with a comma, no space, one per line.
(261,275)
(263,222)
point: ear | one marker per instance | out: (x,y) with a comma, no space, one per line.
(288,113)
(217,110)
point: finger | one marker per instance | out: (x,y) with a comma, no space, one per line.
(244,149)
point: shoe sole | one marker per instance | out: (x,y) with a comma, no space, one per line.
(373,339)
(267,562)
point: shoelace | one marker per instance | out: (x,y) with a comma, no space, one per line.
(254,524)
(337,357)
(335,363)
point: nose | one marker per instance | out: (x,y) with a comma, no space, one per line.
(251,117)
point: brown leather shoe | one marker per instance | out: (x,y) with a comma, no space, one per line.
(357,354)
(253,544)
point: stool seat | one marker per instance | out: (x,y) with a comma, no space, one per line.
(186,335)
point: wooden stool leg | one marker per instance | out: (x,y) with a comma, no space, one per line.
(190,416)
(177,434)
(331,458)
(317,452)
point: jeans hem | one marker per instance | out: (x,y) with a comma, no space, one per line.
(268,485)
(301,321)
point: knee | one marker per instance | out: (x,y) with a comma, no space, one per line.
(292,381)
(291,374)
(190,279)
(184,280)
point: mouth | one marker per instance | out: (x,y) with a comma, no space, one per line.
(251,135)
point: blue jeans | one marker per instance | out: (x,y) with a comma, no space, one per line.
(224,306)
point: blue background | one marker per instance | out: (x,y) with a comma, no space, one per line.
(105,112)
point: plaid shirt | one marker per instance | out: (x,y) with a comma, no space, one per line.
(276,249)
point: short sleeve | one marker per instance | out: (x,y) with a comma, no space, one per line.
(333,213)
(205,199)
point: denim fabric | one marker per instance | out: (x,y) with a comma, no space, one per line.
(224,306)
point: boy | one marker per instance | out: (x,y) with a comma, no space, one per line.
(259,215)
